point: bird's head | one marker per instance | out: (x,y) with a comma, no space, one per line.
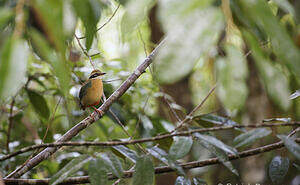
(96,73)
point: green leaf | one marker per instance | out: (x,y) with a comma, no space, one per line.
(200,83)
(180,147)
(89,12)
(97,172)
(278,169)
(136,12)
(210,120)
(218,148)
(130,154)
(73,166)
(217,143)
(250,136)
(276,83)
(13,65)
(291,145)
(113,164)
(232,74)
(218,120)
(148,129)
(258,12)
(6,14)
(50,17)
(199,181)
(143,171)
(173,62)
(39,104)
(161,155)
(286,6)
(181,180)
(61,69)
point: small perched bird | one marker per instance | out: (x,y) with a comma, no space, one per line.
(91,91)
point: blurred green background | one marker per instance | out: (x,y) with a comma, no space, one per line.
(249,48)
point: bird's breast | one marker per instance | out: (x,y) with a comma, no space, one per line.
(94,93)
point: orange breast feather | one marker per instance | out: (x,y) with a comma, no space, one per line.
(93,94)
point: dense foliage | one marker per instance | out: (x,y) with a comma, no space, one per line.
(248,48)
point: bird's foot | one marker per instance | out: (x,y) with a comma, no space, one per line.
(100,112)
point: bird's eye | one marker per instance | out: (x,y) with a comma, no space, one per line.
(93,76)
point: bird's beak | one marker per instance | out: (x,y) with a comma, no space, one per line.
(102,74)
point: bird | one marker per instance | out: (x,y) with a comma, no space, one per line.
(91,91)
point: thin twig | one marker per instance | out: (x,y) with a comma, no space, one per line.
(144,44)
(84,51)
(116,182)
(10,123)
(51,119)
(90,119)
(139,120)
(123,127)
(107,20)
(188,118)
(143,140)
(294,132)
(158,170)
(172,110)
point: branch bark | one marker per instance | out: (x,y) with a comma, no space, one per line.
(89,120)
(158,170)
(143,140)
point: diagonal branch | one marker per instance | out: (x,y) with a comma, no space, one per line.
(158,170)
(143,140)
(90,119)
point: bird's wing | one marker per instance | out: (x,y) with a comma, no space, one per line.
(84,89)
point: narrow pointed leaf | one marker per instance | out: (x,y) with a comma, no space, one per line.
(278,169)
(13,65)
(213,147)
(181,180)
(199,181)
(89,12)
(217,143)
(275,81)
(209,120)
(39,104)
(282,44)
(180,147)
(73,166)
(215,119)
(113,164)
(232,74)
(143,171)
(291,145)
(59,65)
(97,172)
(250,136)
(50,17)
(130,154)
(161,155)
(6,14)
